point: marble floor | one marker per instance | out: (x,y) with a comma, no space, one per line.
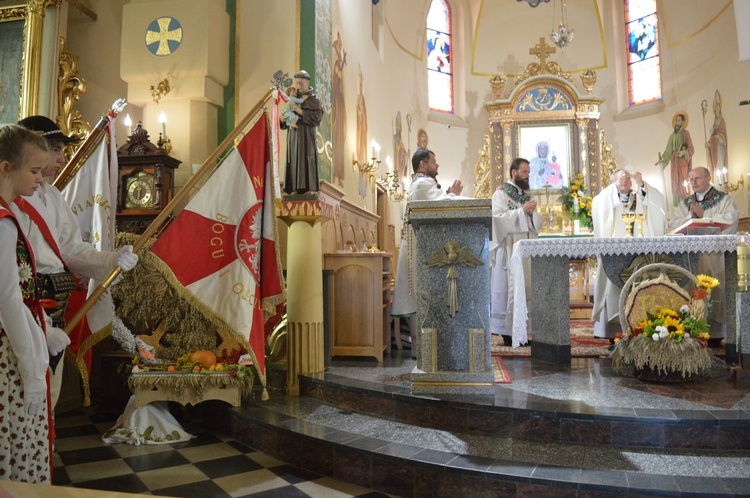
(211,465)
(585,382)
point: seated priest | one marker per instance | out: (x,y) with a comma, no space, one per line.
(707,202)
(627,192)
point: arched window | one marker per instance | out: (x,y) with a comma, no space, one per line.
(642,45)
(439,57)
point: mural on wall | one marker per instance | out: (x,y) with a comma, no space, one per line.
(678,154)
(323,47)
(11,46)
(717,140)
(401,161)
(423,140)
(361,149)
(338,111)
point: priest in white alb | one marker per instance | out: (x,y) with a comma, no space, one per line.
(627,192)
(708,203)
(514,217)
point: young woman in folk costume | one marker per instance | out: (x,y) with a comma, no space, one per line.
(25,420)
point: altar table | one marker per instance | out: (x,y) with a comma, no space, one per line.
(550,291)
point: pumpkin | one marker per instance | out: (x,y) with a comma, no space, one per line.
(205,358)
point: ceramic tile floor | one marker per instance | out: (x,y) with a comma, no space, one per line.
(211,465)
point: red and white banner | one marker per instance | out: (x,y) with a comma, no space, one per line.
(221,247)
(92,195)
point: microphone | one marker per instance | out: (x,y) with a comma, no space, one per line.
(647,202)
(744,102)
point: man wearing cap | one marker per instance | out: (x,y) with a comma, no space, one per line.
(301,153)
(59,249)
(627,192)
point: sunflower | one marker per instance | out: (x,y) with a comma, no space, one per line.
(707,282)
(666,312)
(673,325)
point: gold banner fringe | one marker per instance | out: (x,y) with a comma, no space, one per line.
(217,321)
(83,370)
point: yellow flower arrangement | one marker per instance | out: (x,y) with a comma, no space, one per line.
(575,200)
(671,340)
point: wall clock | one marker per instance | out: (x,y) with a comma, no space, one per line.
(146,181)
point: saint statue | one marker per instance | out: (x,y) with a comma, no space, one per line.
(301,153)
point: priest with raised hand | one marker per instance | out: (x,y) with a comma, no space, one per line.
(514,217)
(709,203)
(627,192)
(424,187)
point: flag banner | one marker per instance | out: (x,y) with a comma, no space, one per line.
(220,251)
(91,195)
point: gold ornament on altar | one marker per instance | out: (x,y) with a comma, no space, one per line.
(588,78)
(497,83)
(628,217)
(452,254)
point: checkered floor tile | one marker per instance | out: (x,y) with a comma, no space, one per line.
(210,465)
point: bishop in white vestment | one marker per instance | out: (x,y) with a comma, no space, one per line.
(607,208)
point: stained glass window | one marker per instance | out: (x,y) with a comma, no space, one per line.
(642,40)
(439,57)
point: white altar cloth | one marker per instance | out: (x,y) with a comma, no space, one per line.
(577,248)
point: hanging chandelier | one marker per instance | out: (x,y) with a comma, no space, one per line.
(563,35)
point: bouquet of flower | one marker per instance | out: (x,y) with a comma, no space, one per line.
(576,202)
(671,340)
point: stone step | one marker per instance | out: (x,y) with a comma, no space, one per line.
(387,453)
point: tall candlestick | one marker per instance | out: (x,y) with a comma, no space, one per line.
(128,124)
(163,121)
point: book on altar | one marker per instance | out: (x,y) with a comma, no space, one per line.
(701,226)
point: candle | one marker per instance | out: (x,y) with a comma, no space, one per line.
(373,144)
(743,260)
(163,121)
(128,124)
(687,186)
(388,164)
(725,172)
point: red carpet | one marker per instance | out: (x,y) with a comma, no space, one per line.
(583,344)
(501,373)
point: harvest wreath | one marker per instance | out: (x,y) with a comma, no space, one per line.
(195,371)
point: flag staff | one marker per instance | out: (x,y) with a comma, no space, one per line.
(92,142)
(164,215)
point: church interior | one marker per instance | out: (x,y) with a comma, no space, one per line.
(337,412)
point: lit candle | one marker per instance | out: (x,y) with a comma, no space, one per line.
(388,164)
(687,186)
(743,260)
(373,144)
(725,172)
(163,121)
(128,124)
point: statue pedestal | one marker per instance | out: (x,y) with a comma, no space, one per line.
(453,296)
(304,291)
